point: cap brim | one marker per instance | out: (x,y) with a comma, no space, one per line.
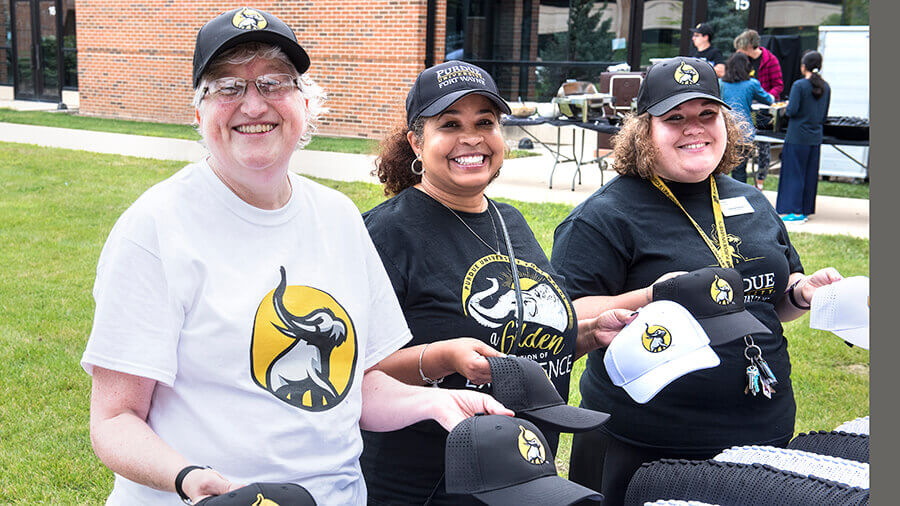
(447,100)
(645,387)
(540,492)
(728,327)
(565,418)
(856,337)
(667,104)
(291,48)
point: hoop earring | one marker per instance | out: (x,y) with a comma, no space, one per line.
(412,166)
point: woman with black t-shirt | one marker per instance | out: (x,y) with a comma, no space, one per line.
(660,216)
(447,250)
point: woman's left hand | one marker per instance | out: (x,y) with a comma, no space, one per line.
(600,331)
(453,406)
(808,286)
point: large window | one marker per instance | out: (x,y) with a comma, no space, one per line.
(661,35)
(70,53)
(532,46)
(801,18)
(6,61)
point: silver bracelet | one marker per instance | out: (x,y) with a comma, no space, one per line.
(426,379)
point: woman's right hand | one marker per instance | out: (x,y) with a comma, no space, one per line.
(466,356)
(202,483)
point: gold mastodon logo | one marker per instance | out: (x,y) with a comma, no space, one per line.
(721,292)
(304,348)
(249,19)
(530,447)
(686,74)
(656,338)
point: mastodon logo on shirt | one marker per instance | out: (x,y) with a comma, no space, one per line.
(249,19)
(489,296)
(304,347)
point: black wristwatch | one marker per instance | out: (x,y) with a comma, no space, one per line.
(179,480)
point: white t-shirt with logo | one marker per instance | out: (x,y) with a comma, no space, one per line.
(258,375)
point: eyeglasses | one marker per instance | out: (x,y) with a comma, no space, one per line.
(270,86)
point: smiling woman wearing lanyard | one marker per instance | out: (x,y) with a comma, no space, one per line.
(461,265)
(672,209)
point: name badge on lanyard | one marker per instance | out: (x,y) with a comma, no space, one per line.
(735,206)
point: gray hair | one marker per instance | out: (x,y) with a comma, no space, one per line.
(245,53)
(748,39)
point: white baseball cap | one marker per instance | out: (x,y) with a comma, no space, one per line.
(843,309)
(662,344)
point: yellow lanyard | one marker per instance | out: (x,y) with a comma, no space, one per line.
(721,253)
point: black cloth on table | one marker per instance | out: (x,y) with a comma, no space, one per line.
(598,125)
(714,482)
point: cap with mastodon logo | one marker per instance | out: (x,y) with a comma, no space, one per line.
(673,81)
(715,297)
(238,26)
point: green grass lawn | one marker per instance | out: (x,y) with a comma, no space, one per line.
(856,190)
(56,209)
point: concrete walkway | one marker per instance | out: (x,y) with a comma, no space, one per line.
(523,179)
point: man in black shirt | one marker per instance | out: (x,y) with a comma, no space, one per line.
(703,49)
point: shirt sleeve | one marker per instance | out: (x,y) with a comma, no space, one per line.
(775,78)
(592,262)
(760,94)
(389,330)
(795,100)
(136,319)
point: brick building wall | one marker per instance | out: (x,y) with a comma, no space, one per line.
(134,57)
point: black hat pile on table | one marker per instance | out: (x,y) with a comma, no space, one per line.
(506,461)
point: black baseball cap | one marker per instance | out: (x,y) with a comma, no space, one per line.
(715,297)
(703,29)
(283,494)
(521,385)
(506,461)
(438,87)
(673,81)
(238,26)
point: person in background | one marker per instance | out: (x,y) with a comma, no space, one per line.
(701,37)
(448,251)
(765,67)
(662,214)
(739,90)
(242,310)
(807,108)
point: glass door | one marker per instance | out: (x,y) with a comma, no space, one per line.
(37,68)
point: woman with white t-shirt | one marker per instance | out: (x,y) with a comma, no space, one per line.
(241,309)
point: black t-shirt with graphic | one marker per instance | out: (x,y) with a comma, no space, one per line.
(628,234)
(450,284)
(710,54)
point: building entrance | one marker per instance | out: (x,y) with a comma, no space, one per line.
(36,50)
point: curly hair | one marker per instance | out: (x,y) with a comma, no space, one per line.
(635,154)
(395,157)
